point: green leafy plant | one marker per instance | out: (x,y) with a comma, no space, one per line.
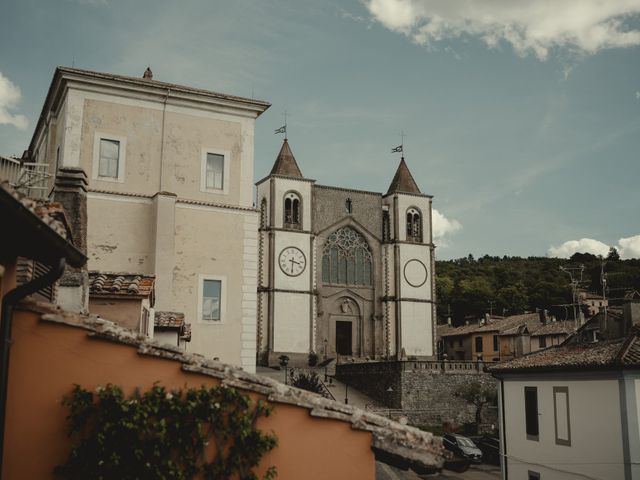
(307,381)
(165,434)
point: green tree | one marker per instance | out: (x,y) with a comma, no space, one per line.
(613,255)
(477,395)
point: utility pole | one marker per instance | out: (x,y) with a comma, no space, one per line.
(603,282)
(575,282)
(491,302)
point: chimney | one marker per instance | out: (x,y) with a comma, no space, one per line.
(544,316)
(148,74)
(70,189)
(487,318)
(449,321)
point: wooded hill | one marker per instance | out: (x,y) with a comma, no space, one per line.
(511,285)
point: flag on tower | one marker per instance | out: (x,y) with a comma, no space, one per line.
(397,149)
(282,129)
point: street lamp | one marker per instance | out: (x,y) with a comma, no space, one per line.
(346,393)
(284,361)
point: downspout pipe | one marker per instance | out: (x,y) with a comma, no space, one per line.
(8,303)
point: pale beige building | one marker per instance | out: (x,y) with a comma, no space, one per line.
(170,194)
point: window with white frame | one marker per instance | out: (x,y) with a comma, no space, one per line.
(214,171)
(211,300)
(109,159)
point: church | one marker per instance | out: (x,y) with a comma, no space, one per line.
(343,272)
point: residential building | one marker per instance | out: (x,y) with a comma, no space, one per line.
(572,411)
(169,172)
(593,301)
(494,339)
(342,271)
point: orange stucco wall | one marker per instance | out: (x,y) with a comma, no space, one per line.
(47,359)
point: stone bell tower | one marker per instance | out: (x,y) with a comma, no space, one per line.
(410,297)
(286,304)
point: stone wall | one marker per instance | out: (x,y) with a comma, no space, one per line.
(422,391)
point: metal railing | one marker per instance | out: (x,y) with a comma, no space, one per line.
(30,178)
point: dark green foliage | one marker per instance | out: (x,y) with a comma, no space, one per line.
(307,381)
(477,395)
(164,435)
(515,285)
(313,359)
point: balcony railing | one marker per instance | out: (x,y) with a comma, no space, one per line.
(30,178)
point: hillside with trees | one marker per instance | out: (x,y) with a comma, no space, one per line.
(469,287)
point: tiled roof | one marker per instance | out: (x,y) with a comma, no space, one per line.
(121,284)
(390,440)
(403,181)
(503,325)
(168,319)
(555,328)
(173,321)
(621,353)
(51,213)
(286,163)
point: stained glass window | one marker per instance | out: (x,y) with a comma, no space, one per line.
(346,259)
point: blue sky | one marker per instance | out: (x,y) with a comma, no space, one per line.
(521,118)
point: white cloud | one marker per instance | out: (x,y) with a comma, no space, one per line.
(584,245)
(442,226)
(10,95)
(629,247)
(582,27)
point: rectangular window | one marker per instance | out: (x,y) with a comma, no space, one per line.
(543,342)
(109,158)
(211,298)
(531,412)
(459,342)
(561,415)
(495,343)
(533,475)
(214,171)
(478,344)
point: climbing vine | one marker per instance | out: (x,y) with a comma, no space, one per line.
(160,434)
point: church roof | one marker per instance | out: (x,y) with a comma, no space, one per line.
(286,163)
(403,181)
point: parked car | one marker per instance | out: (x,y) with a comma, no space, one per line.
(490,448)
(462,447)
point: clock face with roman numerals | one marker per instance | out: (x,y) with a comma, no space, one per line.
(292,261)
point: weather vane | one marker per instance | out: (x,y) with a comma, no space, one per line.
(283,129)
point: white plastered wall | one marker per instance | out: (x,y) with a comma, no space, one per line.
(291,322)
(596,449)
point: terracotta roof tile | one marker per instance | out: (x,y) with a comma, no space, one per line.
(555,328)
(169,320)
(624,352)
(121,284)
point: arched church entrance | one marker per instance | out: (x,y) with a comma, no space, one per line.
(344,327)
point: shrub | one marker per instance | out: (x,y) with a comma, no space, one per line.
(313,359)
(307,381)
(162,434)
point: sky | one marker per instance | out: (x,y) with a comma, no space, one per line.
(521,118)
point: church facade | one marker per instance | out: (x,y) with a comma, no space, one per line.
(343,272)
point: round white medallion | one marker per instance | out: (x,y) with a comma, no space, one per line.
(415,273)
(292,261)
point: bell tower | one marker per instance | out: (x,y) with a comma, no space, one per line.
(286,304)
(409,300)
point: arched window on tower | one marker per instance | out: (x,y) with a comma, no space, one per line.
(414,225)
(346,259)
(292,211)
